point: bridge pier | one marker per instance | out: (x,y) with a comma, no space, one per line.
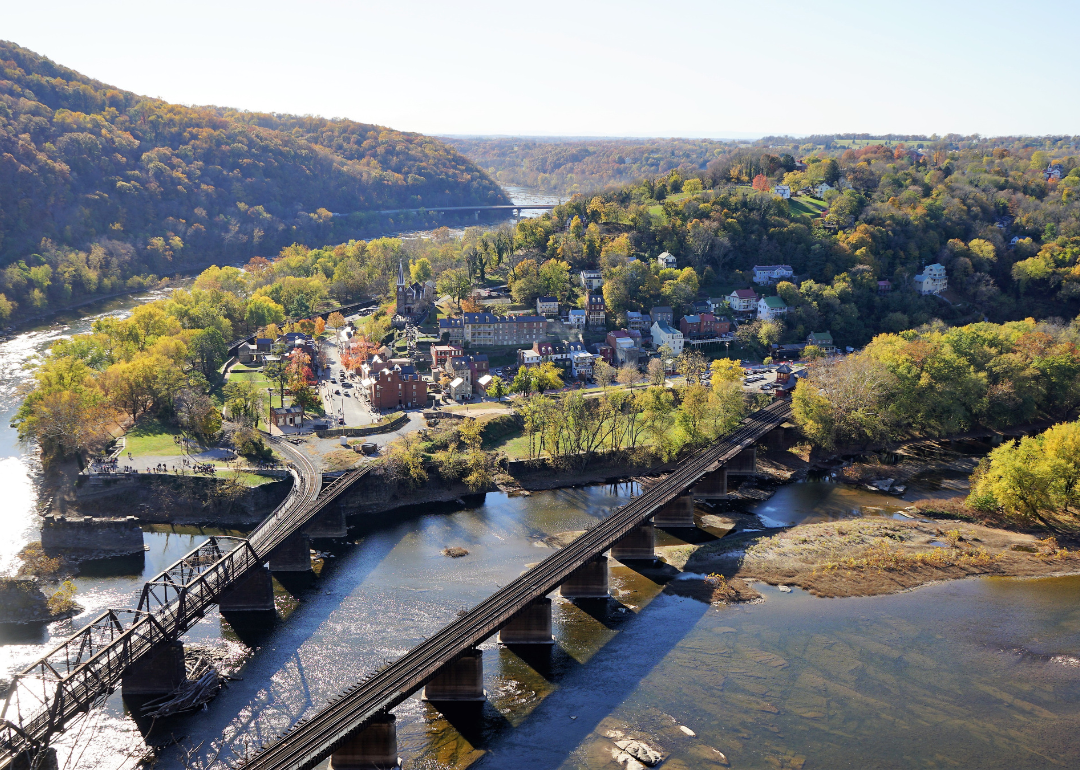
(636,545)
(530,626)
(712,487)
(293,555)
(589,581)
(477,215)
(678,512)
(254,592)
(159,672)
(744,463)
(372,748)
(329,522)
(462,679)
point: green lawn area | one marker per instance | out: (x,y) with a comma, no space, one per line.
(152,438)
(804,204)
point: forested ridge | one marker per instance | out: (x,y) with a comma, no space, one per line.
(99,185)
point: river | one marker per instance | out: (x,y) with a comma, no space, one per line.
(978,673)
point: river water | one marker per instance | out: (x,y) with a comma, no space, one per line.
(978,673)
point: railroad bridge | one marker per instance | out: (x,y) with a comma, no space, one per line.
(140,649)
(357,728)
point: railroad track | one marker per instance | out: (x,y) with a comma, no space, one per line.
(313,739)
(89,664)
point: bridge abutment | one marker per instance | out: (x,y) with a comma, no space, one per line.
(678,512)
(712,487)
(160,672)
(636,545)
(254,592)
(530,626)
(374,747)
(462,679)
(744,463)
(589,581)
(293,555)
(330,522)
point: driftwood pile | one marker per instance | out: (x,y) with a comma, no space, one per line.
(198,689)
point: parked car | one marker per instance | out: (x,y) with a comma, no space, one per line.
(337,392)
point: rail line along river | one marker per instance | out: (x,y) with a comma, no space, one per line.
(978,673)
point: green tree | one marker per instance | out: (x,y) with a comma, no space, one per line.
(497,389)
(456,283)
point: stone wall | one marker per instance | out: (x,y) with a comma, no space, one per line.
(89,535)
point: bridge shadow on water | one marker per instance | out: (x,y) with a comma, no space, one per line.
(545,701)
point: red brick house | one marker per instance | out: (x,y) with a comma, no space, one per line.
(397,387)
(440,353)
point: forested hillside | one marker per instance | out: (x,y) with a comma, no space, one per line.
(98,185)
(570,166)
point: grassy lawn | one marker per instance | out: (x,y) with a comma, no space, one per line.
(804,204)
(152,438)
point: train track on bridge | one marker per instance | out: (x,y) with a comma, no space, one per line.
(315,738)
(88,665)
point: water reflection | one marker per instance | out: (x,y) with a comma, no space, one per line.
(812,501)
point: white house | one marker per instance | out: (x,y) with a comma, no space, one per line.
(662,334)
(547,306)
(666,260)
(771,308)
(577,318)
(581,363)
(592,279)
(460,390)
(822,188)
(783,190)
(743,300)
(932,280)
(769,274)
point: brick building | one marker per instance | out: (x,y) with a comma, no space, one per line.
(395,388)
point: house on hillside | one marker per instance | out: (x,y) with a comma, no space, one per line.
(884,287)
(401,386)
(661,313)
(822,188)
(596,311)
(782,190)
(581,364)
(636,320)
(932,280)
(453,329)
(765,275)
(547,306)
(662,334)
(822,340)
(771,308)
(591,279)
(666,260)
(577,318)
(743,300)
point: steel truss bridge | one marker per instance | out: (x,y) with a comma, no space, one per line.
(83,669)
(315,738)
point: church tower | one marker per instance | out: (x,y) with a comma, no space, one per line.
(402,303)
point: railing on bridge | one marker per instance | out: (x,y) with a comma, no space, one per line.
(88,665)
(313,739)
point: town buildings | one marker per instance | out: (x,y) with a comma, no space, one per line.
(765,275)
(932,280)
(581,364)
(703,326)
(397,387)
(412,298)
(488,330)
(471,368)
(639,321)
(783,190)
(663,334)
(453,329)
(666,260)
(440,353)
(661,313)
(577,318)
(822,340)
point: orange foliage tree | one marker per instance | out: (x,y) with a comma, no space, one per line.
(761,183)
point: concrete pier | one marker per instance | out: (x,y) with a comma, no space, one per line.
(87,535)
(462,679)
(744,463)
(530,626)
(252,593)
(589,581)
(372,748)
(294,555)
(160,672)
(636,545)
(677,513)
(330,522)
(712,487)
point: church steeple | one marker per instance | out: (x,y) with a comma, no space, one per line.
(400,273)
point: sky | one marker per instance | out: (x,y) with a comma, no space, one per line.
(688,68)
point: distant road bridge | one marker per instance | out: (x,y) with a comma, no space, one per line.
(514,208)
(141,647)
(357,728)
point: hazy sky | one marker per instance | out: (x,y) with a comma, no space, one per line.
(661,68)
